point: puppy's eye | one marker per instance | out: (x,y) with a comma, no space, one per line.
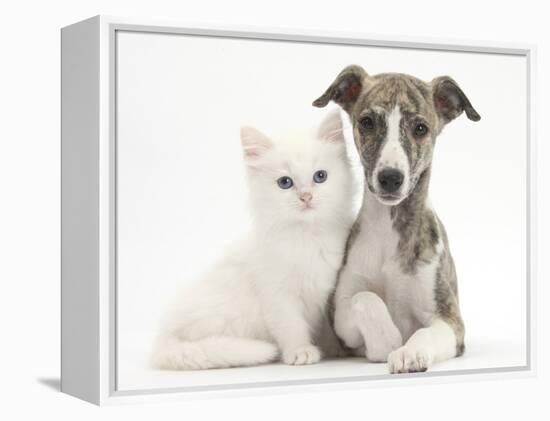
(285,182)
(320,176)
(367,123)
(420,130)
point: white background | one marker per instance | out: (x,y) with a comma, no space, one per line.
(29,215)
(182,193)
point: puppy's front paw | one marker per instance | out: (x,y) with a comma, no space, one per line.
(408,360)
(307,354)
(379,348)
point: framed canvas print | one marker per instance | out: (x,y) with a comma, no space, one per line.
(247,211)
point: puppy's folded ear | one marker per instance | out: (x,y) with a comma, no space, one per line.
(450,101)
(345,89)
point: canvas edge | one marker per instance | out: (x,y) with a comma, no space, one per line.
(80,335)
(534,248)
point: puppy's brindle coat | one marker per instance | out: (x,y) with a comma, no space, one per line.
(398,281)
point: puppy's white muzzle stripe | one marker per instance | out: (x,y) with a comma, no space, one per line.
(393,155)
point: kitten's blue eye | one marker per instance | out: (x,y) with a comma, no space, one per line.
(320,176)
(285,182)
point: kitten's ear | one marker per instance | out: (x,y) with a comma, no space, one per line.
(331,128)
(254,143)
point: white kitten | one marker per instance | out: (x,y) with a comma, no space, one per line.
(267,299)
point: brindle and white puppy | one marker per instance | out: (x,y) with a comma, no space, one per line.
(398,281)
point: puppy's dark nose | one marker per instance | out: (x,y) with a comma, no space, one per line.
(390,180)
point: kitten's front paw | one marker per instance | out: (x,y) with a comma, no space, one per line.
(308,354)
(408,360)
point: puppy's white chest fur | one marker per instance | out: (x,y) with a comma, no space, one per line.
(375,257)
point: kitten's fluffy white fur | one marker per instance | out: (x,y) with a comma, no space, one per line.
(267,299)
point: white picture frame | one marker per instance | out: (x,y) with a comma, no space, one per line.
(89,212)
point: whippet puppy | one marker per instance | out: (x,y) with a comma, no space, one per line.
(396,298)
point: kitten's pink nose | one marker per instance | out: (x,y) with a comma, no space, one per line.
(306,197)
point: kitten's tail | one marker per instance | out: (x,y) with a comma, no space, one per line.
(213,352)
